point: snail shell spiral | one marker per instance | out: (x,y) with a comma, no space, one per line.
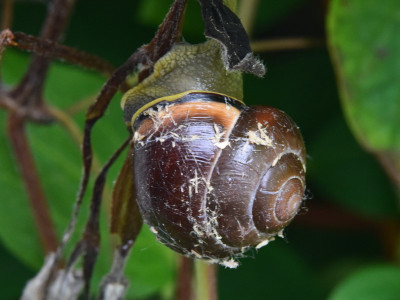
(215,177)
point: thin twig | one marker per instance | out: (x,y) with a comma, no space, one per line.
(7,15)
(29,90)
(127,222)
(95,112)
(28,95)
(212,277)
(144,55)
(77,135)
(58,15)
(68,123)
(48,48)
(169,32)
(6,37)
(81,105)
(91,235)
(19,142)
(287,44)
(184,288)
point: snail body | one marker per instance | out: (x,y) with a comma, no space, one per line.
(213,176)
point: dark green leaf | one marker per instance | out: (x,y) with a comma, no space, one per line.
(365,44)
(59,164)
(373,283)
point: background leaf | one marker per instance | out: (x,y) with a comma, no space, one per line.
(365,44)
(372,283)
(59,164)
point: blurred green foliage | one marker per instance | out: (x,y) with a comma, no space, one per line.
(365,44)
(314,261)
(377,282)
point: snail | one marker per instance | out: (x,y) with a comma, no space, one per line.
(213,176)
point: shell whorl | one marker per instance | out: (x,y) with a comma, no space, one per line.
(213,179)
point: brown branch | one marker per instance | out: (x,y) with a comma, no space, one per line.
(91,235)
(7,15)
(143,55)
(50,49)
(29,90)
(96,111)
(126,221)
(286,44)
(184,288)
(20,145)
(169,32)
(27,101)
(6,37)
(212,281)
(37,114)
(57,19)
(77,135)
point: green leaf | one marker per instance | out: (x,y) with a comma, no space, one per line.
(57,158)
(17,227)
(59,164)
(151,266)
(13,275)
(365,45)
(372,283)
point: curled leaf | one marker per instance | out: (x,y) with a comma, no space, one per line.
(224,26)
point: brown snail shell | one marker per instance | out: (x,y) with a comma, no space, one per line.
(215,177)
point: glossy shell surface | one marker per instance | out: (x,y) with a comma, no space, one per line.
(215,178)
